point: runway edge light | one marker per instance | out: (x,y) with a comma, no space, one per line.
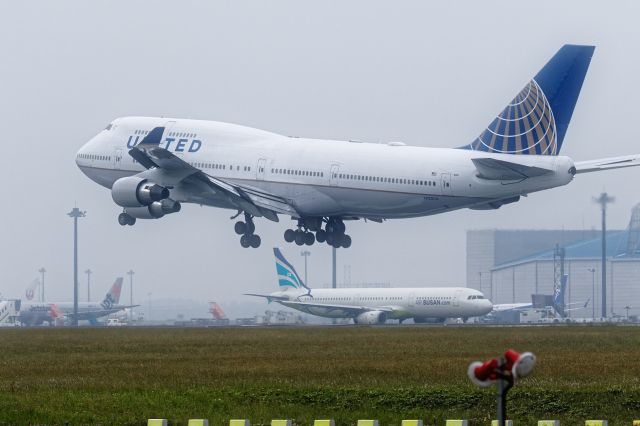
(198,422)
(376,423)
(506,423)
(157,422)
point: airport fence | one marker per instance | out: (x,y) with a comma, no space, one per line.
(289,422)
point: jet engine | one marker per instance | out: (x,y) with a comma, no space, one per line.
(134,191)
(155,210)
(371,317)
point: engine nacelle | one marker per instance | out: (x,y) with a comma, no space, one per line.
(133,191)
(155,210)
(371,317)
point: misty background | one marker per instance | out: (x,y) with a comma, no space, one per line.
(425,73)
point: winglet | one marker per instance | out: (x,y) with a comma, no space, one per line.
(154,137)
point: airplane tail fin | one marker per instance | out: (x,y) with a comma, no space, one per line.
(536,120)
(216,311)
(30,293)
(288,278)
(113,296)
(558,297)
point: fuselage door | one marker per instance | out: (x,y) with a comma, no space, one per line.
(117,158)
(260,170)
(333,175)
(456,298)
(411,300)
(445,182)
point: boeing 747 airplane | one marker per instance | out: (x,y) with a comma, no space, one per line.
(322,184)
(375,305)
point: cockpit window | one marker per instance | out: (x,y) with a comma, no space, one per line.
(109,126)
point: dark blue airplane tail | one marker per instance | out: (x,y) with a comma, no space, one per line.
(536,120)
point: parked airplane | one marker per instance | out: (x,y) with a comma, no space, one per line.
(324,183)
(560,307)
(41,312)
(375,305)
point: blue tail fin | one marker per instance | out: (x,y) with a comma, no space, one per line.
(558,296)
(287,276)
(536,120)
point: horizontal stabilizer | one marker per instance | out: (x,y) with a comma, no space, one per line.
(493,169)
(607,163)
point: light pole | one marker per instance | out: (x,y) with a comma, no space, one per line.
(88,272)
(149,312)
(306,254)
(603,200)
(480,284)
(42,271)
(75,214)
(593,292)
(131,273)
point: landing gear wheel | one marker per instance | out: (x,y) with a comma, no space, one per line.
(321,236)
(245,241)
(240,227)
(339,227)
(299,238)
(309,239)
(337,240)
(125,219)
(329,238)
(346,241)
(254,241)
(289,235)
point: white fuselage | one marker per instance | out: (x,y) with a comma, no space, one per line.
(401,303)
(318,177)
(40,312)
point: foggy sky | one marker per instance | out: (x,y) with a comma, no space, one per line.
(425,73)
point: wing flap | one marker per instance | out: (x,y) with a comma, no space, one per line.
(494,169)
(353,310)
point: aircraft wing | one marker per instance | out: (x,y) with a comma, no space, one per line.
(348,309)
(167,169)
(607,163)
(266,296)
(493,169)
(511,307)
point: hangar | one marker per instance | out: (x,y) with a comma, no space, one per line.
(508,266)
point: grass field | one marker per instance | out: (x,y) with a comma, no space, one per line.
(122,376)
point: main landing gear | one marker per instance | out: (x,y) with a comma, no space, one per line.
(333,232)
(246,229)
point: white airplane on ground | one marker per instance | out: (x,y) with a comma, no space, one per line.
(375,305)
(36,313)
(323,183)
(559,306)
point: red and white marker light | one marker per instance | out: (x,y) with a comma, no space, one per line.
(513,363)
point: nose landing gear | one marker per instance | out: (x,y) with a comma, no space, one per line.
(125,219)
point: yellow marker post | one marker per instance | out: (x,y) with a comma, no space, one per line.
(324,423)
(595,423)
(457,423)
(198,422)
(548,422)
(412,423)
(374,423)
(281,422)
(157,422)
(506,423)
(636,423)
(239,422)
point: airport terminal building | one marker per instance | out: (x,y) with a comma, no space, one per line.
(508,266)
